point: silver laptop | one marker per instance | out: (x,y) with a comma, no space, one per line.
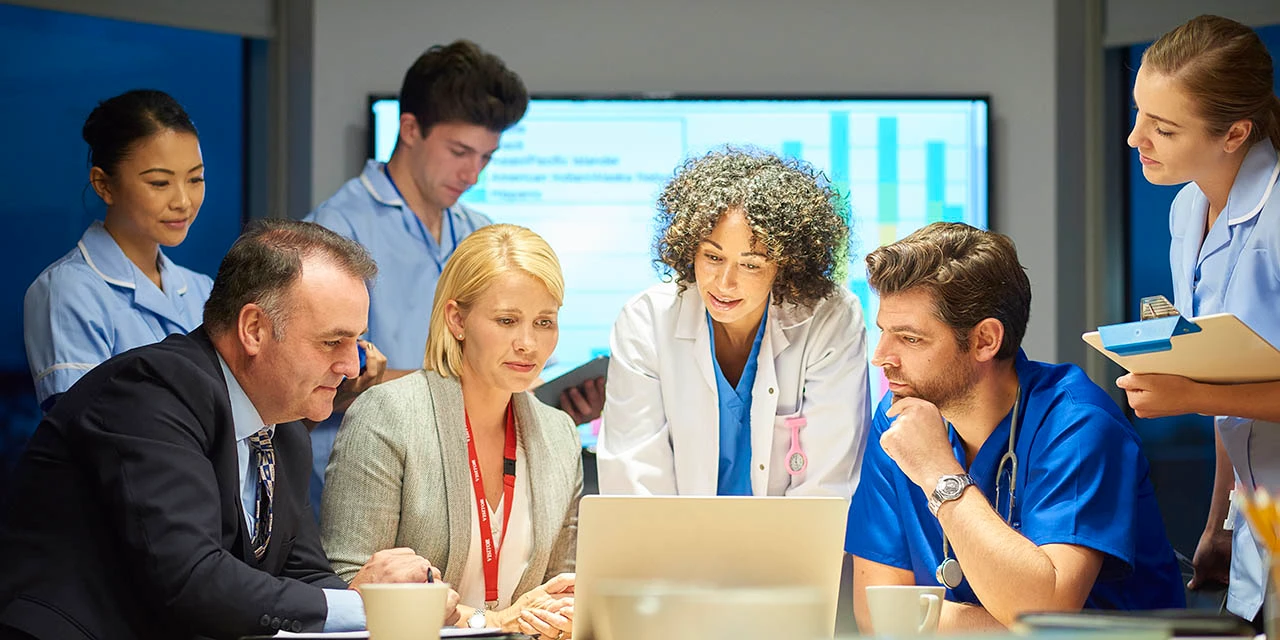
(718,541)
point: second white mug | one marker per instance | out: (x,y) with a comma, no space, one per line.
(905,610)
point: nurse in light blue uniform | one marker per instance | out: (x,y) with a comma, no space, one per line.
(455,102)
(116,289)
(372,210)
(1225,254)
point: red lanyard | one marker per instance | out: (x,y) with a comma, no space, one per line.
(487,549)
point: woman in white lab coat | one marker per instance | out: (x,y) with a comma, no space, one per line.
(747,373)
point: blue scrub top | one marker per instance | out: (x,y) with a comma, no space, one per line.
(94,303)
(1082,480)
(735,418)
(369,210)
(1237,270)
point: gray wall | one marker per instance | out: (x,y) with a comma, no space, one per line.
(1133,21)
(1005,48)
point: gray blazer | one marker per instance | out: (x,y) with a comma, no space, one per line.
(398,478)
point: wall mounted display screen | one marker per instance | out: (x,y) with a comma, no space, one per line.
(584,173)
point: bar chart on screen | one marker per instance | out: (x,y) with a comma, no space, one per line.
(585,174)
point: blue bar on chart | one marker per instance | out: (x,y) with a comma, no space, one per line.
(887,178)
(840,159)
(861,288)
(935,180)
(792,149)
(840,150)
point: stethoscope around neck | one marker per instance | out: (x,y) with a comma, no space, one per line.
(949,573)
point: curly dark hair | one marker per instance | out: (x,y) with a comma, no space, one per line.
(791,208)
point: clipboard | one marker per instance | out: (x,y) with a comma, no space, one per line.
(1218,348)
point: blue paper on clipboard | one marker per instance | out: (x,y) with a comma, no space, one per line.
(1145,336)
(1217,348)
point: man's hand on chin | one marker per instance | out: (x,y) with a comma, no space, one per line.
(918,441)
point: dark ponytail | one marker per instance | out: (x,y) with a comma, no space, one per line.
(117,124)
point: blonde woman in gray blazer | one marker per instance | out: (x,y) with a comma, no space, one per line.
(401,474)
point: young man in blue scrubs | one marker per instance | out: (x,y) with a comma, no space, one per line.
(455,103)
(934,504)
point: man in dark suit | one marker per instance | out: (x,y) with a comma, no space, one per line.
(165,495)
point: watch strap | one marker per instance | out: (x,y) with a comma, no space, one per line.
(936,499)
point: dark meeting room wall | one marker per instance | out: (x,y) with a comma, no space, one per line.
(54,68)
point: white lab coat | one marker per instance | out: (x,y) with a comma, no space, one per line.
(660,434)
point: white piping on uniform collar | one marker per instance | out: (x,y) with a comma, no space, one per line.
(84,251)
(1266,195)
(364,180)
(167,265)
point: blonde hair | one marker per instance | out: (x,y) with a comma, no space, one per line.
(480,258)
(1225,70)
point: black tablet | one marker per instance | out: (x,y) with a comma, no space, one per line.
(549,392)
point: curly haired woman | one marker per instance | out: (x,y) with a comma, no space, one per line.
(746,373)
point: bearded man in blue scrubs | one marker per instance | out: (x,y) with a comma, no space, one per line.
(1068,521)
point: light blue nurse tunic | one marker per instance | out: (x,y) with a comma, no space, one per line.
(370,210)
(1237,270)
(94,303)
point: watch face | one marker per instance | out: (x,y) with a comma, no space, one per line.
(947,487)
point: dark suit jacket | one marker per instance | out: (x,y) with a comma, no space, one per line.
(125,519)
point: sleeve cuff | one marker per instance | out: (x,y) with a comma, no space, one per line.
(346,610)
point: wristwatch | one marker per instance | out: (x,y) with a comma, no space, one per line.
(476,621)
(949,488)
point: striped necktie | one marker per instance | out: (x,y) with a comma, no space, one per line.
(260,443)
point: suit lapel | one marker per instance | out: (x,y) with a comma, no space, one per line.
(450,422)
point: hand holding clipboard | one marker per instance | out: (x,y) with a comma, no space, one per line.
(1171,355)
(1217,348)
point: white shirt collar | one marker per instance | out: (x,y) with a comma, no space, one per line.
(243,414)
(1254,183)
(108,260)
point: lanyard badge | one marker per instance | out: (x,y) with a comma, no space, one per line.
(488,550)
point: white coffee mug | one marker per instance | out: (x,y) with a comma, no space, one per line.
(905,610)
(405,611)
